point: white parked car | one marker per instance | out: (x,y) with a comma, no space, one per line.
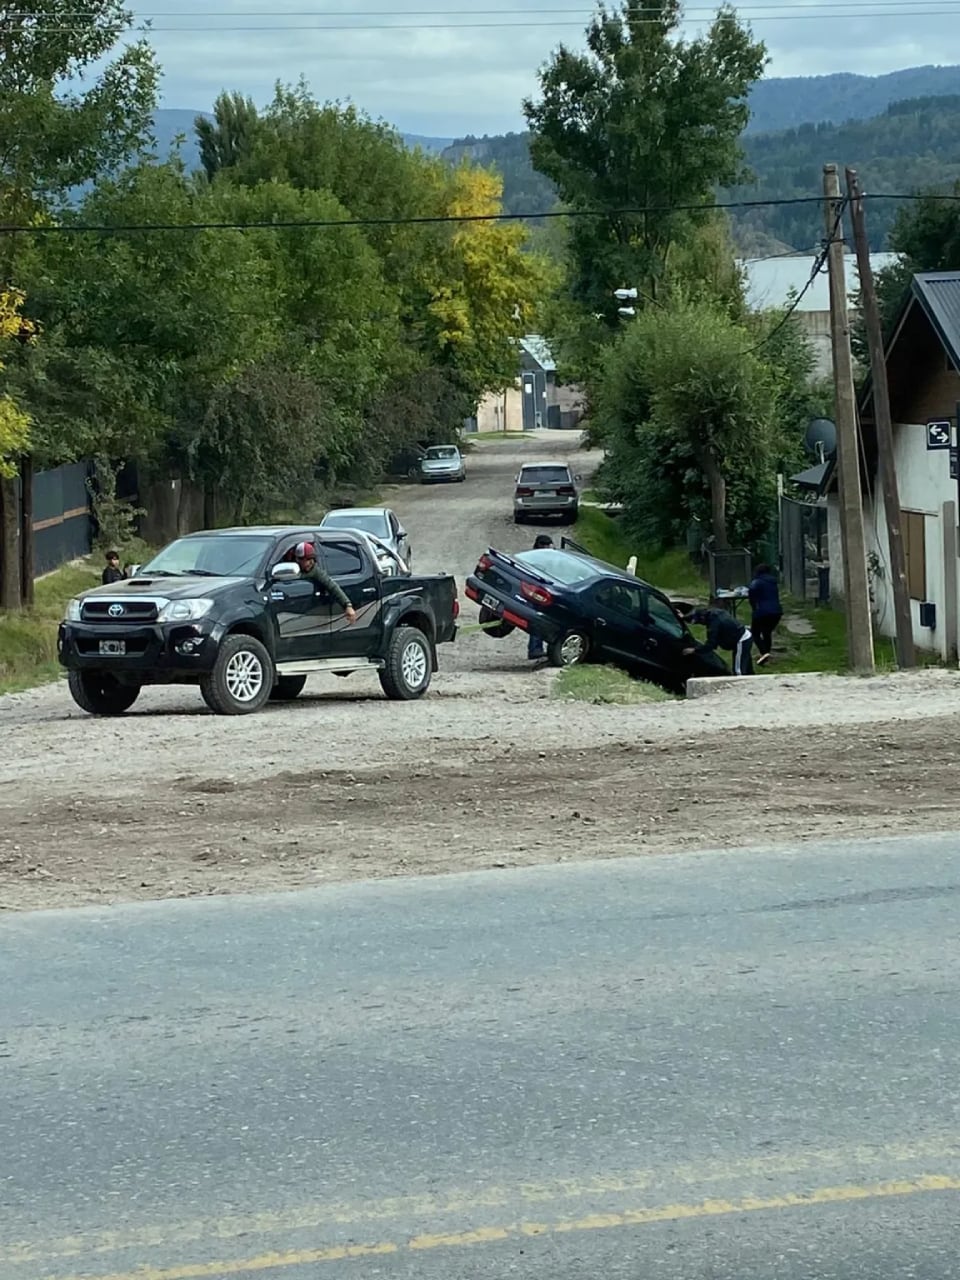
(379,522)
(442,462)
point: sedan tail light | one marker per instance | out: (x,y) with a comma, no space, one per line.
(484,563)
(537,595)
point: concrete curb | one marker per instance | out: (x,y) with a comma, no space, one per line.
(753,686)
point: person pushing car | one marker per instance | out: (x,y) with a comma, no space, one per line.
(724,632)
(305,554)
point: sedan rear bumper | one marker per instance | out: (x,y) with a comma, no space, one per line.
(511,610)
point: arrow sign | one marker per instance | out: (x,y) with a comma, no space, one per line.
(939,434)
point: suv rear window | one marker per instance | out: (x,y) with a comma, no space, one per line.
(545,475)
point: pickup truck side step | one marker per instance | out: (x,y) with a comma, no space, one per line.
(317,666)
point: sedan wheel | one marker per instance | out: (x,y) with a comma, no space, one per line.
(568,650)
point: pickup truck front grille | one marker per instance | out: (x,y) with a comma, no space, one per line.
(119,611)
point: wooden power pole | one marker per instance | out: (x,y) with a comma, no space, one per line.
(856,586)
(906,653)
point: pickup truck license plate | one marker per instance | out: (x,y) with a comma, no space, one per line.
(488,602)
(113,648)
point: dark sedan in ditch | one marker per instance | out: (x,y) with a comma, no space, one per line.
(588,611)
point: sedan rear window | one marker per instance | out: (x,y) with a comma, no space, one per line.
(442,451)
(545,475)
(557,565)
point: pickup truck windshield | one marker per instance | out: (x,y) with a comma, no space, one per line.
(227,557)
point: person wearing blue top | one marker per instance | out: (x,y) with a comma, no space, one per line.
(766,610)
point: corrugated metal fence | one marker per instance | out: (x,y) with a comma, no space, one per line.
(62,521)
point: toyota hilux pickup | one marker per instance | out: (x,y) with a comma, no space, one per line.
(229,611)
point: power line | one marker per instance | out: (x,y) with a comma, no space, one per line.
(445,219)
(818,265)
(585,10)
(147,26)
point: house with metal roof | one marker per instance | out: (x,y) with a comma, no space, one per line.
(536,400)
(923,374)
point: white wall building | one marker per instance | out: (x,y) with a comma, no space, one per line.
(772,283)
(923,372)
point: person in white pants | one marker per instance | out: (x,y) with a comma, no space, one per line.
(725,632)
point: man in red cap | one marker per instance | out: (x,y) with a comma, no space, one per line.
(305,554)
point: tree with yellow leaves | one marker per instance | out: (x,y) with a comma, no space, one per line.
(14,424)
(487,286)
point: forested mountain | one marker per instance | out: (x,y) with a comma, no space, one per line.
(796,100)
(914,145)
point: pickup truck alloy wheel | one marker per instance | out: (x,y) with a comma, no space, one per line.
(242,678)
(407,670)
(568,649)
(100,693)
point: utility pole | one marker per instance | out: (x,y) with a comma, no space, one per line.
(906,652)
(856,588)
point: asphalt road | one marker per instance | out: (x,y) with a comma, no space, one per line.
(715,1067)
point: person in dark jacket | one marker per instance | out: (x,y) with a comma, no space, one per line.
(112,573)
(725,632)
(766,610)
(305,554)
(535,649)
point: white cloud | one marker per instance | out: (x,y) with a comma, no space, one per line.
(446,81)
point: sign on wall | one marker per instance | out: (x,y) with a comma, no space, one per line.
(939,433)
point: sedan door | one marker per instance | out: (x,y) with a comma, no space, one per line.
(620,622)
(399,537)
(665,639)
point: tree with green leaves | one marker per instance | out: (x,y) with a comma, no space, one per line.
(693,420)
(642,128)
(926,234)
(227,139)
(56,134)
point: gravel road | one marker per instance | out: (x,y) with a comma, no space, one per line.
(488,770)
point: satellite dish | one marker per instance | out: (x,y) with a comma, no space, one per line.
(820,438)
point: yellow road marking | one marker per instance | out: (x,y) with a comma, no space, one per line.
(592,1222)
(461,1203)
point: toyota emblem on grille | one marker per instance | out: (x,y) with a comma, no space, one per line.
(115,610)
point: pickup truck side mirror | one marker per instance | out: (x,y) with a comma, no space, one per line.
(401,533)
(285,571)
(578,478)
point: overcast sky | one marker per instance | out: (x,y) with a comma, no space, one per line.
(470,72)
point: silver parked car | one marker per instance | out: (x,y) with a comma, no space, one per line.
(381,522)
(546,489)
(442,462)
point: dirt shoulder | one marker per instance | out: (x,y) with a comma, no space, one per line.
(714,777)
(489,769)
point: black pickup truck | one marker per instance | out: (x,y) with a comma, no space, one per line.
(227,611)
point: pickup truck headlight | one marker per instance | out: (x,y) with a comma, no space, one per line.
(73,610)
(184,610)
